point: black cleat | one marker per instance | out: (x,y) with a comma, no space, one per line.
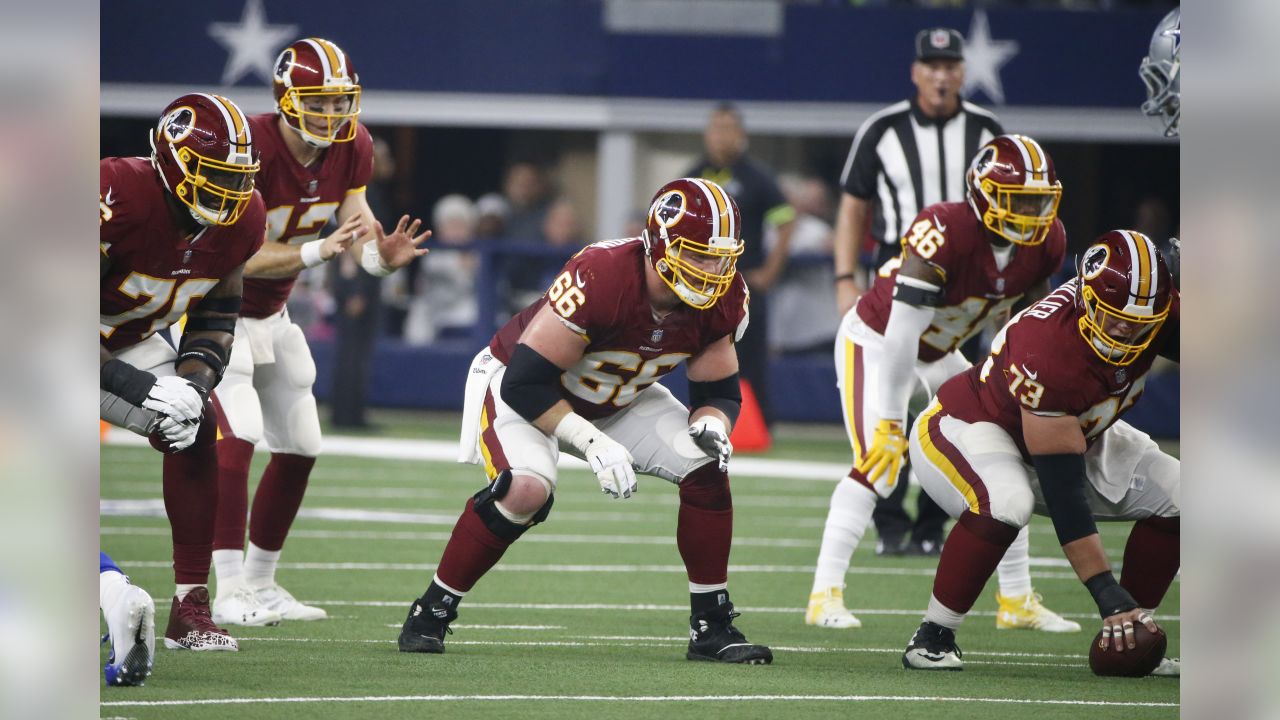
(713,637)
(933,647)
(425,628)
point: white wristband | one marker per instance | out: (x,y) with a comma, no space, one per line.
(371,260)
(311,253)
(576,431)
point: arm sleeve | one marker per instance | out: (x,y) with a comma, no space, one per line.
(901,346)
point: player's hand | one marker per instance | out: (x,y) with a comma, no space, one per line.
(1118,628)
(847,293)
(711,437)
(180,434)
(342,238)
(612,465)
(176,398)
(884,457)
(400,247)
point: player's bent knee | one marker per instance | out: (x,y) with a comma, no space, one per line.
(1013,506)
(509,525)
(304,428)
(706,488)
(294,357)
(241,409)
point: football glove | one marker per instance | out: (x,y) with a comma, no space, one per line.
(176,398)
(711,437)
(179,434)
(884,457)
(612,465)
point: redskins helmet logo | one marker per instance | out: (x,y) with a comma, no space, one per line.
(178,124)
(284,64)
(1095,260)
(982,163)
(668,209)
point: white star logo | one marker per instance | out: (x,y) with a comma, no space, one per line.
(983,58)
(252,44)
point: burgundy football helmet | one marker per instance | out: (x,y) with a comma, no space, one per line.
(317,92)
(693,237)
(1014,189)
(1125,294)
(203,150)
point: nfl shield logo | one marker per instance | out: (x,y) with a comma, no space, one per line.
(999,285)
(311,186)
(656,336)
(1120,375)
(940,38)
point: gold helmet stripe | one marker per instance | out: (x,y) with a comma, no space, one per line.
(335,65)
(722,206)
(237,129)
(1142,286)
(705,187)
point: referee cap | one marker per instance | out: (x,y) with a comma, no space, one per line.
(939,44)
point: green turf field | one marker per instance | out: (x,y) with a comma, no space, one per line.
(586,616)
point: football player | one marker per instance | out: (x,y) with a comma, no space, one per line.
(316,161)
(1037,428)
(131,625)
(1160,73)
(576,371)
(963,265)
(175,233)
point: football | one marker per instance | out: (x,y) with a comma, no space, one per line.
(1138,662)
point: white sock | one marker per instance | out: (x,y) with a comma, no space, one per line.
(260,565)
(942,615)
(180,591)
(847,520)
(228,568)
(110,585)
(1015,567)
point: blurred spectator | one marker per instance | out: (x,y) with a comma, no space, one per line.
(528,194)
(492,211)
(396,287)
(357,298)
(802,305)
(444,301)
(560,229)
(761,203)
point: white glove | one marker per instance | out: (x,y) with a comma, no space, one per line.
(712,437)
(610,461)
(176,398)
(180,434)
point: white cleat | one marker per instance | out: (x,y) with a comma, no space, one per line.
(826,609)
(1168,667)
(131,629)
(1027,612)
(274,597)
(933,647)
(240,606)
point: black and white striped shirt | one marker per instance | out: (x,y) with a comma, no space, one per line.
(905,161)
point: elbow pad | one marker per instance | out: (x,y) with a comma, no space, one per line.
(724,395)
(531,383)
(1062,482)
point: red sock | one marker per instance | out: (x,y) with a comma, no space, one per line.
(1151,559)
(278,498)
(472,550)
(704,529)
(969,557)
(234,457)
(190,480)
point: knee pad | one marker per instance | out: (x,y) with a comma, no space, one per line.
(293,358)
(1012,504)
(1165,471)
(303,428)
(240,407)
(706,488)
(485,504)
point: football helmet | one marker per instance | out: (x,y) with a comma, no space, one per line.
(1125,295)
(202,148)
(1159,72)
(317,92)
(1014,189)
(693,237)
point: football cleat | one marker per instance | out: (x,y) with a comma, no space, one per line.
(891,546)
(425,627)
(273,597)
(1168,667)
(826,609)
(933,647)
(923,548)
(713,637)
(240,606)
(131,630)
(191,626)
(1027,612)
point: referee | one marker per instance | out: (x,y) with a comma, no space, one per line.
(904,158)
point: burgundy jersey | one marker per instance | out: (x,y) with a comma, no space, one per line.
(300,200)
(1040,361)
(601,295)
(153,272)
(951,238)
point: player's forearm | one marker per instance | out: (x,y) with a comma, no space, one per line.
(204,355)
(901,348)
(1086,556)
(280,260)
(850,220)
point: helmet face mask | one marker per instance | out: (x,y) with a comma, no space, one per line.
(693,238)
(1125,295)
(317,92)
(202,149)
(1160,71)
(1014,189)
